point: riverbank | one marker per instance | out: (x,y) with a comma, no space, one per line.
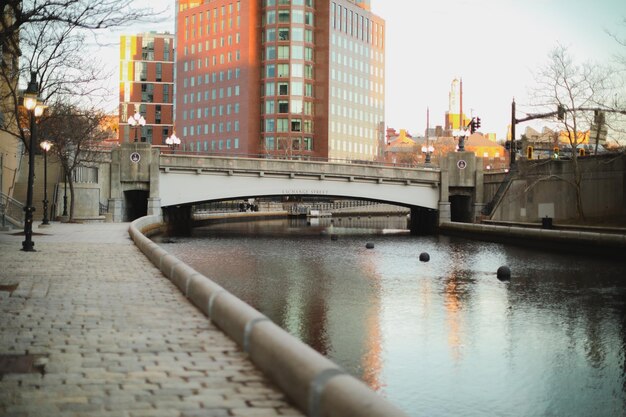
(609,242)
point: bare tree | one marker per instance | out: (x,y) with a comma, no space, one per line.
(566,85)
(618,103)
(86,14)
(77,136)
(50,37)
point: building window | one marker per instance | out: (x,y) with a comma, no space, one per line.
(283,34)
(296,125)
(282,125)
(283,52)
(283,16)
(283,70)
(308,143)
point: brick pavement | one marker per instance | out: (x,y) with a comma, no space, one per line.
(112,337)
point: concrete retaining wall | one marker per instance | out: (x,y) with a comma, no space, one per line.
(316,385)
(611,244)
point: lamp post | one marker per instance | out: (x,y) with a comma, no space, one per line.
(45,145)
(35,109)
(427,150)
(172,141)
(64,194)
(136,121)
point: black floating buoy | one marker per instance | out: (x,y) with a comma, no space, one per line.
(424,257)
(504,273)
(369,245)
(334,237)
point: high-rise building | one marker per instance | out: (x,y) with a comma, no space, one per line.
(454,121)
(147,86)
(292,78)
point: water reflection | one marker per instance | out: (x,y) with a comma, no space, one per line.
(442,338)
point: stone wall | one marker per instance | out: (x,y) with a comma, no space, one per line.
(546,188)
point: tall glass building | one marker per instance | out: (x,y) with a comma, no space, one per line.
(288,78)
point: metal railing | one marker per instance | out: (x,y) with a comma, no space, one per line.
(11,211)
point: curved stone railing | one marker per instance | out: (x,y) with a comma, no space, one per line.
(315,384)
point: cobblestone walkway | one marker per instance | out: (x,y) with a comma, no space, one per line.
(108,335)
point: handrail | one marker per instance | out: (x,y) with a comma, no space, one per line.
(502,188)
(11,210)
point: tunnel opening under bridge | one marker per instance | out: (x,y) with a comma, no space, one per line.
(420,220)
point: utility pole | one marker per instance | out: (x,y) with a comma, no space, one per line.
(512,146)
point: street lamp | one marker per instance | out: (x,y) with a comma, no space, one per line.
(428,150)
(65,177)
(172,141)
(136,121)
(35,109)
(45,145)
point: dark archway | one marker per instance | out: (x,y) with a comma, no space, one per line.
(136,204)
(461,208)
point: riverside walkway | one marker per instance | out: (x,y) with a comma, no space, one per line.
(90,327)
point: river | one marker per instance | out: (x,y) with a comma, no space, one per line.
(441,338)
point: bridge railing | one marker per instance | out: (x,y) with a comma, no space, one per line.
(168,151)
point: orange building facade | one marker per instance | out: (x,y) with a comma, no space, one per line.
(292,78)
(147,86)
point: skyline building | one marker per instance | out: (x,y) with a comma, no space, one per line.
(455,102)
(146,86)
(292,78)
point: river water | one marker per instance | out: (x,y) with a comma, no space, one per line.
(441,338)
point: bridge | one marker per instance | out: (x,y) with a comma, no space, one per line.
(173,183)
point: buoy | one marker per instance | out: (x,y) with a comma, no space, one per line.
(334,237)
(504,273)
(369,245)
(424,257)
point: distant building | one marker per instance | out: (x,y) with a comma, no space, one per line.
(541,145)
(147,86)
(453,118)
(401,148)
(493,155)
(294,79)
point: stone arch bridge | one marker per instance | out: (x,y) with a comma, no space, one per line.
(146,181)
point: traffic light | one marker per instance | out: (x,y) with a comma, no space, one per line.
(560,112)
(472,126)
(556,152)
(477,123)
(529,152)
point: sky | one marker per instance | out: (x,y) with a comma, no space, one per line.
(494,46)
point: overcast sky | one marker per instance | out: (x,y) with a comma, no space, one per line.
(493,45)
